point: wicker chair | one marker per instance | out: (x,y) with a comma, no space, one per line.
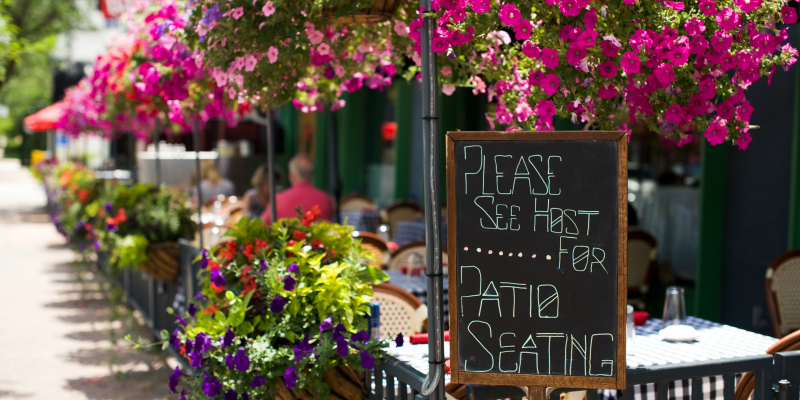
(375,245)
(401,257)
(356,202)
(745,388)
(401,312)
(642,259)
(783,298)
(403,211)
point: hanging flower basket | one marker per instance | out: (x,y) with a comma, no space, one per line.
(162,261)
(379,11)
(345,384)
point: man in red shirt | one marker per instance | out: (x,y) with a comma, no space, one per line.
(302,193)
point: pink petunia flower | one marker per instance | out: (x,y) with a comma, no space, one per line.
(631,63)
(268,9)
(523,110)
(550,58)
(685,140)
(629,2)
(694,26)
(272,54)
(323,49)
(509,15)
(238,12)
(315,36)
(550,84)
(250,63)
(400,28)
(448,88)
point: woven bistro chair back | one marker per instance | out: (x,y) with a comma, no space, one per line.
(356,202)
(403,211)
(783,296)
(405,255)
(642,259)
(401,312)
(375,245)
(745,388)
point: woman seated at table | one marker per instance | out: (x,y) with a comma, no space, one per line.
(212,184)
(257,198)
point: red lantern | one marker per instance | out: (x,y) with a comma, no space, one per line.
(389,130)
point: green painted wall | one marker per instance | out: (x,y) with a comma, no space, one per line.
(402,141)
(708,280)
(321,151)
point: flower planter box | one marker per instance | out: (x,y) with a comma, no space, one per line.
(162,261)
(345,383)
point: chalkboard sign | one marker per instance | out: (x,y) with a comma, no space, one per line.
(537,258)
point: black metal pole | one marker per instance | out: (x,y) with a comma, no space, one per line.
(270,165)
(334,186)
(156,137)
(132,145)
(196,138)
(434,381)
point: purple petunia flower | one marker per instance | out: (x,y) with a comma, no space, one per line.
(200,344)
(183,395)
(199,296)
(231,395)
(227,339)
(263,266)
(399,340)
(258,381)
(109,207)
(341,346)
(212,15)
(241,361)
(189,345)
(229,362)
(174,379)
(302,349)
(217,277)
(339,329)
(288,283)
(196,359)
(245,396)
(326,324)
(211,385)
(367,361)
(192,309)
(290,377)
(181,320)
(173,339)
(294,268)
(96,245)
(277,304)
(361,336)
(204,260)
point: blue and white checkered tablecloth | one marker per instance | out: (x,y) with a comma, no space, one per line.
(413,231)
(716,342)
(365,220)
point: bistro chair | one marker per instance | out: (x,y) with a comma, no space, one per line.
(403,211)
(783,298)
(401,312)
(356,202)
(642,261)
(405,255)
(745,388)
(373,244)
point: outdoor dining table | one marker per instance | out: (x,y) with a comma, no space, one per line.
(414,231)
(418,286)
(716,343)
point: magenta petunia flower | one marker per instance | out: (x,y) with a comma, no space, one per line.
(550,84)
(587,38)
(509,15)
(708,7)
(523,110)
(724,110)
(590,19)
(523,29)
(744,111)
(694,26)
(439,45)
(608,69)
(570,8)
(716,133)
(789,14)
(550,58)
(727,19)
(575,54)
(743,141)
(748,5)
(684,140)
(531,50)
(609,48)
(641,41)
(607,92)
(698,45)
(535,78)
(480,6)
(665,74)
(721,41)
(631,63)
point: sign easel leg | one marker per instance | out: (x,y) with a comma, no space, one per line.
(537,393)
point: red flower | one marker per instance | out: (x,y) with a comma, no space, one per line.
(317,244)
(83,195)
(212,264)
(217,289)
(291,242)
(121,217)
(248,251)
(229,253)
(211,310)
(299,235)
(261,244)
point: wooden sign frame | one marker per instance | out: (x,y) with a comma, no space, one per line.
(584,382)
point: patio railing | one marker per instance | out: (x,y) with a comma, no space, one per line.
(776,377)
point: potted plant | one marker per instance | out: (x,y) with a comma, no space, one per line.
(74,188)
(281,313)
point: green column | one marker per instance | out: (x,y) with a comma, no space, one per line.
(708,275)
(350,127)
(288,120)
(794,188)
(402,141)
(321,151)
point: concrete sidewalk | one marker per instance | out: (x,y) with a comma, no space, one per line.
(54,328)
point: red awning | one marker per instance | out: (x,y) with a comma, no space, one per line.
(44,119)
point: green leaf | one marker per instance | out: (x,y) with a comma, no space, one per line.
(372,275)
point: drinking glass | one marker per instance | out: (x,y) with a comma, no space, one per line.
(631,332)
(674,306)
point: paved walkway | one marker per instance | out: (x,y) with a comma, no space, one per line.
(55,332)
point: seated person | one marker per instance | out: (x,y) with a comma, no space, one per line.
(302,193)
(256,199)
(212,184)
